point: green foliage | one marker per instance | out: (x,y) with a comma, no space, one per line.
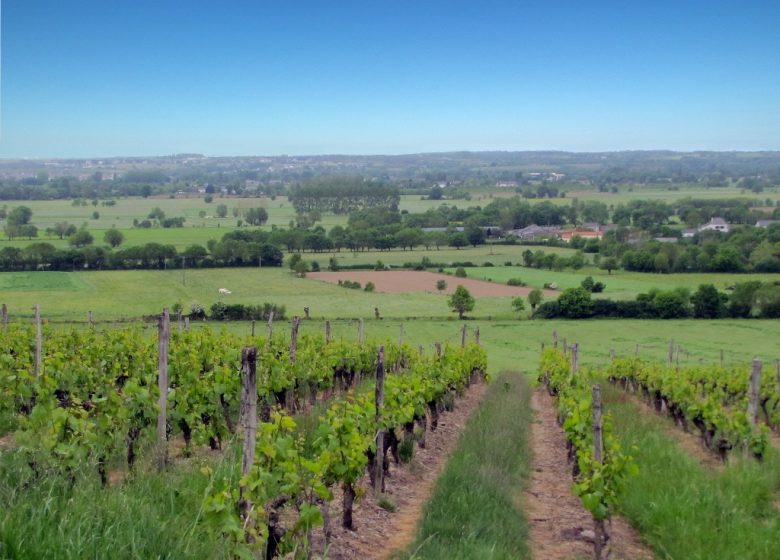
(460,272)
(535,297)
(461,301)
(518,304)
(575,303)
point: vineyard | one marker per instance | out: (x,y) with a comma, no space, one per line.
(280,445)
(79,399)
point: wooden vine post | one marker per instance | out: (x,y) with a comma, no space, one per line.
(290,400)
(163,341)
(270,325)
(379,398)
(753,394)
(565,347)
(180,320)
(438,348)
(612,354)
(327,332)
(476,336)
(248,421)
(636,352)
(400,334)
(555,339)
(670,353)
(600,528)
(463,336)
(253,328)
(38,341)
(721,357)
(306,313)
(575,357)
(89,319)
(4,315)
(186,323)
(360,331)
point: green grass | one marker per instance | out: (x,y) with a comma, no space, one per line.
(474,511)
(619,285)
(686,511)
(148,516)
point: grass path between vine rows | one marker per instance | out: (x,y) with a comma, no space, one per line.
(475,510)
(687,510)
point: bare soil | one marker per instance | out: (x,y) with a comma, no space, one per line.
(560,525)
(380,533)
(410,281)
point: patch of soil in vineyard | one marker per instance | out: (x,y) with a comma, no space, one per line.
(560,524)
(409,281)
(379,532)
(690,442)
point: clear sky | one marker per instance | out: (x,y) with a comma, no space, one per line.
(90,78)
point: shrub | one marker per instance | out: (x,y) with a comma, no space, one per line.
(487,263)
(350,284)
(515,282)
(508,263)
(238,312)
(369,287)
(315,266)
(460,272)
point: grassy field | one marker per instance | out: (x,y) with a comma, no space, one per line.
(620,284)
(685,510)
(473,513)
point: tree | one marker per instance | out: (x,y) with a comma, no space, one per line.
(301,268)
(458,240)
(743,298)
(62,229)
(28,230)
(256,216)
(575,303)
(113,237)
(294,260)
(461,301)
(708,303)
(609,264)
(208,199)
(95,215)
(475,235)
(222,210)
(518,304)
(81,238)
(535,297)
(156,214)
(19,216)
(441,285)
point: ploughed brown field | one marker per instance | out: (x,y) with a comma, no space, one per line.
(407,281)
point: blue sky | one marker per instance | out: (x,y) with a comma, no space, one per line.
(88,78)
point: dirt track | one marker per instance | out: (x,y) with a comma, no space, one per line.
(408,281)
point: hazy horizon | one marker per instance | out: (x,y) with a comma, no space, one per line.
(89,79)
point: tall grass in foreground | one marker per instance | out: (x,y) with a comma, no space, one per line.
(687,512)
(475,511)
(150,515)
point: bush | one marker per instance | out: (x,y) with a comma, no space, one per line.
(508,263)
(460,272)
(487,263)
(515,282)
(197,311)
(238,312)
(315,266)
(369,287)
(350,284)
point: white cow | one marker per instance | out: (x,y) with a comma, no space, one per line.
(224,292)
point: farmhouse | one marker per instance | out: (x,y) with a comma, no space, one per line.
(766,223)
(534,231)
(715,224)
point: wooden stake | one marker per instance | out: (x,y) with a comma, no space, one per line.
(270,326)
(753,393)
(253,328)
(186,323)
(721,358)
(438,348)
(294,339)
(463,336)
(38,341)
(612,354)
(636,352)
(306,313)
(179,320)
(400,334)
(476,335)
(360,331)
(163,340)
(248,420)
(670,353)
(4,314)
(600,529)
(379,398)
(555,339)
(327,332)
(565,347)
(89,318)
(575,357)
